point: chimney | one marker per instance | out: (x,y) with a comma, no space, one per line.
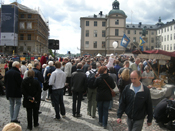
(101,13)
(140,23)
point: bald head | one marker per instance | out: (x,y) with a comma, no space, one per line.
(135,78)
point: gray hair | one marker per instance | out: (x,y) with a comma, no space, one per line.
(50,63)
(15,63)
(98,64)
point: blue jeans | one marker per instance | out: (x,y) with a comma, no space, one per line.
(57,100)
(103,107)
(14,109)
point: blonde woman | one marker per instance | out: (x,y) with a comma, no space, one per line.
(12,127)
(29,66)
(123,81)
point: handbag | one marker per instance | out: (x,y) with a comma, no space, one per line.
(116,90)
(112,92)
(46,85)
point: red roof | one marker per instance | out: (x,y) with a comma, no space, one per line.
(172,54)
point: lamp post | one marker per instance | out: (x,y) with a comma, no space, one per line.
(115,45)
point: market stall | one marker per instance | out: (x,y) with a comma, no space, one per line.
(160,88)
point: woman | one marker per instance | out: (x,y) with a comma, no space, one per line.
(29,66)
(31,90)
(147,76)
(104,95)
(123,81)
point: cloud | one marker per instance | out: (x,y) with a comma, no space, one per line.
(64,15)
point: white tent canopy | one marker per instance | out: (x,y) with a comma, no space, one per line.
(99,54)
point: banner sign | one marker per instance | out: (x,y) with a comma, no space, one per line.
(154,56)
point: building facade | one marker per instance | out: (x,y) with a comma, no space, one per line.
(98,32)
(33,33)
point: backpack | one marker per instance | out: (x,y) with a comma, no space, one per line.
(91,79)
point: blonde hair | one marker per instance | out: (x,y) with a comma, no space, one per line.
(125,74)
(12,127)
(29,66)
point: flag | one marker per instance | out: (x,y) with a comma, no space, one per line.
(125,41)
(141,43)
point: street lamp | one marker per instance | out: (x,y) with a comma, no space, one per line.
(115,45)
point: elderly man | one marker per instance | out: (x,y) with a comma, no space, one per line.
(135,65)
(136,103)
(13,90)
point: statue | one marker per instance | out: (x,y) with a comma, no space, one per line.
(144,31)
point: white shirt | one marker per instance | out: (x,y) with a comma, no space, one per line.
(68,69)
(23,69)
(57,79)
(92,71)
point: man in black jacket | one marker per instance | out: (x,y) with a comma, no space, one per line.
(39,77)
(86,66)
(78,86)
(136,103)
(13,90)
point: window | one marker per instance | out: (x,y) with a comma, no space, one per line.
(140,33)
(87,44)
(162,30)
(128,31)
(87,23)
(167,29)
(116,22)
(170,27)
(134,31)
(29,48)
(95,33)
(21,36)
(29,16)
(95,23)
(174,36)
(22,15)
(174,46)
(170,46)
(134,39)
(116,32)
(152,40)
(161,38)
(87,33)
(95,44)
(29,36)
(167,37)
(167,47)
(29,25)
(103,23)
(164,38)
(22,25)
(152,33)
(164,47)
(174,26)
(170,36)
(103,44)
(159,31)
(103,33)
(21,48)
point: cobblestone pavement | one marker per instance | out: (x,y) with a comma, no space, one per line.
(70,123)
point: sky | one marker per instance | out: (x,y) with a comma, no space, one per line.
(64,15)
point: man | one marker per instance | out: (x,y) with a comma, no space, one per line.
(86,66)
(13,90)
(39,77)
(74,67)
(126,66)
(92,92)
(57,80)
(135,65)
(78,86)
(43,59)
(67,70)
(117,68)
(136,103)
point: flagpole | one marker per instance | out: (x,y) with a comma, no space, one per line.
(148,64)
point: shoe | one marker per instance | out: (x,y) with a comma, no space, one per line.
(93,116)
(79,115)
(16,121)
(39,112)
(42,100)
(57,119)
(74,115)
(100,123)
(30,128)
(36,125)
(63,116)
(105,127)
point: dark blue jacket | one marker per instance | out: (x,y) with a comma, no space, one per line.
(136,106)
(38,76)
(13,83)
(50,69)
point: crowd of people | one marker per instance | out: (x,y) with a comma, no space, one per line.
(80,77)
